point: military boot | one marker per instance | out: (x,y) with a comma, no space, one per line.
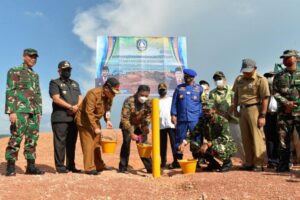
(32,169)
(226,166)
(213,165)
(11,168)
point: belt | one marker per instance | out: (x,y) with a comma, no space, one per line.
(248,105)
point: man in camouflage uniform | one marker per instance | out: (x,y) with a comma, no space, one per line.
(135,121)
(217,142)
(24,107)
(286,86)
(223,97)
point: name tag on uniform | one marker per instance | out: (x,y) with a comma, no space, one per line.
(182,89)
(74,85)
(64,92)
(181,96)
(188,92)
(195,97)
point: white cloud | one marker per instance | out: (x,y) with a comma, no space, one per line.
(219,33)
(34,14)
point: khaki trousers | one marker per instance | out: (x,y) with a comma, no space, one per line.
(90,143)
(253,137)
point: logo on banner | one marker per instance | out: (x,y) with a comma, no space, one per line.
(141,44)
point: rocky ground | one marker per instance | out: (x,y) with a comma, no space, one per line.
(137,184)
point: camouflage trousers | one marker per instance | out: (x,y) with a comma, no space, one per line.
(28,125)
(286,125)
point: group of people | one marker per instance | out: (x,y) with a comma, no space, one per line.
(217,124)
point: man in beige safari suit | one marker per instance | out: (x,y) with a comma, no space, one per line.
(251,95)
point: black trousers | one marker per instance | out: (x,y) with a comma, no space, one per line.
(272,138)
(64,139)
(125,152)
(163,144)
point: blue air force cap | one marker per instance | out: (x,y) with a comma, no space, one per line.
(190,72)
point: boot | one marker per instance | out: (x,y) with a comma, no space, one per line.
(213,164)
(226,166)
(11,168)
(32,169)
(175,164)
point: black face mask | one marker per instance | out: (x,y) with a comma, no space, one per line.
(65,74)
(162,93)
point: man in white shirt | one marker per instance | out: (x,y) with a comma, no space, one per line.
(166,126)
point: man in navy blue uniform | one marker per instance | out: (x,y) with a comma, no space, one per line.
(186,110)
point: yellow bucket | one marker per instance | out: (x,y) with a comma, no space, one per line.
(144,150)
(108,146)
(188,166)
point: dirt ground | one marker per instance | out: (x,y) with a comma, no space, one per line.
(137,184)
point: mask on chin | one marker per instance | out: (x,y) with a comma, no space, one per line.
(142,99)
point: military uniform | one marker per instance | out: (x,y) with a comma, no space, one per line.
(94,106)
(134,116)
(63,125)
(249,92)
(23,97)
(223,100)
(286,87)
(215,130)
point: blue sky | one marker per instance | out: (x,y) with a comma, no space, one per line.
(219,35)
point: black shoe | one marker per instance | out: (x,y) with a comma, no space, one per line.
(211,168)
(174,165)
(62,170)
(149,171)
(32,169)
(226,166)
(122,170)
(246,168)
(283,168)
(258,169)
(74,170)
(11,168)
(272,165)
(92,172)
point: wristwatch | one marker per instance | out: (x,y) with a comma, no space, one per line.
(262,115)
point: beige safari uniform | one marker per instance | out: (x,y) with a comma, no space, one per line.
(249,93)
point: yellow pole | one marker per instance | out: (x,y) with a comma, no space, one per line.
(155,139)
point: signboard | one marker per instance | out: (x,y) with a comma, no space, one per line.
(141,60)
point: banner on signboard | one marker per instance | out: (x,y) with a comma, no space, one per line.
(141,60)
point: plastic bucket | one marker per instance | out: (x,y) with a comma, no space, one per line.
(108,146)
(144,150)
(188,166)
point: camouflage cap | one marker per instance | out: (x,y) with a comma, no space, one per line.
(218,74)
(113,84)
(64,64)
(248,65)
(162,86)
(30,51)
(289,53)
(209,104)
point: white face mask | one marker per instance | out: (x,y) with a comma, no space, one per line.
(142,99)
(203,86)
(220,83)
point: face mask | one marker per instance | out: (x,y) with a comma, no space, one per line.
(142,99)
(220,83)
(203,86)
(162,93)
(65,74)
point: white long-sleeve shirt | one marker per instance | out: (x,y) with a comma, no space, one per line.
(165,112)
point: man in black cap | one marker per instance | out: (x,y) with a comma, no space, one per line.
(96,104)
(270,129)
(251,92)
(287,93)
(66,97)
(186,110)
